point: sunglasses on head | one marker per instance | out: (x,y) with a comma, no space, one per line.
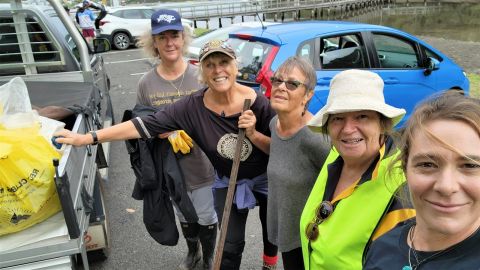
(289,84)
(324,210)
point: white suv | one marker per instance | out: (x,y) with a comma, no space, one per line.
(123,25)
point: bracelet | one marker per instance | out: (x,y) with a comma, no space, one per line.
(95,137)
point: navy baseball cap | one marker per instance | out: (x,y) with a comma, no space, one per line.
(164,20)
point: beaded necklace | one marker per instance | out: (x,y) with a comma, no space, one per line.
(411,250)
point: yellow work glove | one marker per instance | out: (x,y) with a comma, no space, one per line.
(180,140)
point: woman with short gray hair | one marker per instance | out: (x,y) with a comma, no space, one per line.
(296,156)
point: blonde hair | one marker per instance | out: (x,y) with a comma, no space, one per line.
(200,77)
(448,105)
(146,42)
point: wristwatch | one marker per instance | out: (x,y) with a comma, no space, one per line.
(94,136)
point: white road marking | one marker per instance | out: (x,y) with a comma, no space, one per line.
(125,61)
(136,74)
(123,52)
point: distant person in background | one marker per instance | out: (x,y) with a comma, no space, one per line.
(440,155)
(101,8)
(85,19)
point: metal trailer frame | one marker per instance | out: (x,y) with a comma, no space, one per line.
(78,169)
(79,179)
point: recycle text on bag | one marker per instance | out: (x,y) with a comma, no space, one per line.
(27,188)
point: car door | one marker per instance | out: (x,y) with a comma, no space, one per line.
(399,62)
(333,54)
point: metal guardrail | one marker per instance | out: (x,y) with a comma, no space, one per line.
(412,10)
(208,10)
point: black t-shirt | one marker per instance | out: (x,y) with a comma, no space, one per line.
(215,134)
(391,251)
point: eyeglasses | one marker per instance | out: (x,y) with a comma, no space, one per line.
(324,210)
(290,85)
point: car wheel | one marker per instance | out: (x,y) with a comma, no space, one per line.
(121,41)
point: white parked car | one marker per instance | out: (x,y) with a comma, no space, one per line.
(220,34)
(123,25)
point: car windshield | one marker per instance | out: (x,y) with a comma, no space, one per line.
(250,57)
(221,34)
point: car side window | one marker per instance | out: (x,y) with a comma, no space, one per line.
(394,52)
(342,52)
(132,14)
(433,55)
(306,51)
(116,13)
(147,13)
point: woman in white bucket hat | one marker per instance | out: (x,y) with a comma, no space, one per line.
(353,201)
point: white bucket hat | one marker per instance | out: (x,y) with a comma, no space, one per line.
(355,90)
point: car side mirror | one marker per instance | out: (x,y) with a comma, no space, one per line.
(432,64)
(101,45)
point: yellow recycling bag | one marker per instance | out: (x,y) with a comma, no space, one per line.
(27,188)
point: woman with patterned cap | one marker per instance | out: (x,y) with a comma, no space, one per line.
(353,201)
(171,79)
(213,116)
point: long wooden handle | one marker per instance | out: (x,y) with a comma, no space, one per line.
(231,190)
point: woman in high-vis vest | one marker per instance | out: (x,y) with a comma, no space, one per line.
(353,200)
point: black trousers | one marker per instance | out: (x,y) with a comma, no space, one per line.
(100,16)
(235,239)
(293,259)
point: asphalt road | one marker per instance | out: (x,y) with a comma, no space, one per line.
(131,245)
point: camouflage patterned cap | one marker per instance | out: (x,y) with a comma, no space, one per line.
(216,46)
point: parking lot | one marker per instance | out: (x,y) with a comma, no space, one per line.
(132,247)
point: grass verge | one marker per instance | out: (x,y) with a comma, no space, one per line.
(474,84)
(199,31)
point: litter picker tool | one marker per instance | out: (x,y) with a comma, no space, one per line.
(231,189)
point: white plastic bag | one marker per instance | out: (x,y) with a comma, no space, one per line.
(14,97)
(48,127)
(15,107)
(17,110)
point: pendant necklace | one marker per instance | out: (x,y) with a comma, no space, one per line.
(412,250)
(181,83)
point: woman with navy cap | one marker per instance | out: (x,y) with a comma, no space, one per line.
(171,79)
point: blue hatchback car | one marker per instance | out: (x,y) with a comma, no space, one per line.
(410,68)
